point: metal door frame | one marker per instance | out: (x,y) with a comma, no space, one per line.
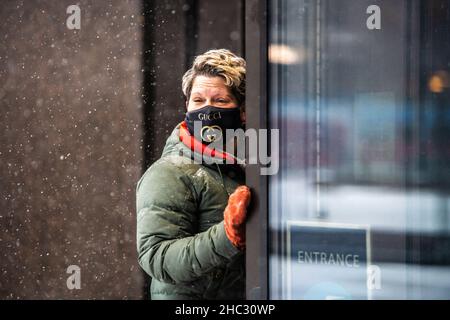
(257,116)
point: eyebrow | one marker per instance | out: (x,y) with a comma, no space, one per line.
(218,94)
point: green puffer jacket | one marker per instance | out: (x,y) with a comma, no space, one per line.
(181,239)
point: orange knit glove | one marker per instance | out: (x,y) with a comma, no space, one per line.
(234,216)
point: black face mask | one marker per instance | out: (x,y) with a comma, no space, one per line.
(212,122)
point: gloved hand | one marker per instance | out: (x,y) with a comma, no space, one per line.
(234,216)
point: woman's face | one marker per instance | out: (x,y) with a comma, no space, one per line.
(211,91)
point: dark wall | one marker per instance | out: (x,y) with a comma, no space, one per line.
(83,113)
(70,148)
(175,32)
(221,25)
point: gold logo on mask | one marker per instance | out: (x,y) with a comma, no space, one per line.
(211,133)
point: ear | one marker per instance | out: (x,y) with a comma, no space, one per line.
(187,104)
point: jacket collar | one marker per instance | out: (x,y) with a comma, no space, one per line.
(200,148)
(181,142)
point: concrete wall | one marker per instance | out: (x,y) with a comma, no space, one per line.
(70,149)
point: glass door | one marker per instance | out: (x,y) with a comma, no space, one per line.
(360,93)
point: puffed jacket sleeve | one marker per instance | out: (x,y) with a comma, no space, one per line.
(169,249)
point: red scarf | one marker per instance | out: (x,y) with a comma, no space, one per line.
(196,146)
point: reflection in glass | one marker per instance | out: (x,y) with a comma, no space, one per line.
(364,126)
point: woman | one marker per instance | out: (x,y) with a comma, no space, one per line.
(191,213)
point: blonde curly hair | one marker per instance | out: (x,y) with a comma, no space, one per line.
(222,63)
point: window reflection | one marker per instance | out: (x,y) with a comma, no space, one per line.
(363,117)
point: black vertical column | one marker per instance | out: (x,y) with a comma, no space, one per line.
(256,109)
